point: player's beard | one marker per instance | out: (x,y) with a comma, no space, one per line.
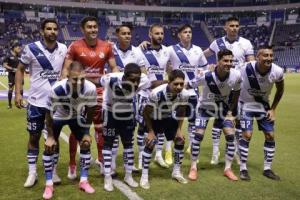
(156,42)
(50,38)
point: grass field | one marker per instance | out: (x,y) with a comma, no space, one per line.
(211,183)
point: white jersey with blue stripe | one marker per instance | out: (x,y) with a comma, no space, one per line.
(241,48)
(188,60)
(115,97)
(156,61)
(263,87)
(221,89)
(163,104)
(44,68)
(130,55)
(64,106)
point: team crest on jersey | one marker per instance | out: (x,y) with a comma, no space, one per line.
(101,55)
(222,85)
(261,80)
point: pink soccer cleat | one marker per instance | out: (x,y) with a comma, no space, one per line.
(48,192)
(86,187)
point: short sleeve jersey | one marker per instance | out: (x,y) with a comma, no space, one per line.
(163,104)
(262,88)
(92,58)
(241,48)
(215,90)
(64,106)
(12,61)
(116,98)
(130,55)
(44,69)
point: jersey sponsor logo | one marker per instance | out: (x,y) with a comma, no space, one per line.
(49,74)
(255,92)
(153,69)
(92,54)
(82,54)
(216,97)
(187,67)
(101,55)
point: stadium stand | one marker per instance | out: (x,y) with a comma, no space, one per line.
(17,24)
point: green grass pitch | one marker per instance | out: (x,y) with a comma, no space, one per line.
(211,184)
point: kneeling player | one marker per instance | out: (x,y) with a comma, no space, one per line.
(118,115)
(71,102)
(214,102)
(165,103)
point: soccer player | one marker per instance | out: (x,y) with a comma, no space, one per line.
(258,79)
(190,59)
(164,113)
(242,50)
(92,53)
(118,115)
(45,59)
(71,102)
(10,63)
(124,53)
(156,58)
(214,102)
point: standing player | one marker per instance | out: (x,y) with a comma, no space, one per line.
(214,102)
(242,50)
(10,63)
(45,59)
(124,53)
(190,59)
(164,113)
(156,57)
(118,115)
(71,102)
(258,79)
(92,53)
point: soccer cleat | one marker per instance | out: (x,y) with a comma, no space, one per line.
(86,187)
(244,175)
(193,174)
(48,192)
(215,158)
(230,175)
(144,183)
(72,172)
(130,181)
(31,180)
(168,157)
(271,175)
(177,175)
(160,161)
(108,185)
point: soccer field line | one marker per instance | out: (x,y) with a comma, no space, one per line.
(131,195)
(3,85)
